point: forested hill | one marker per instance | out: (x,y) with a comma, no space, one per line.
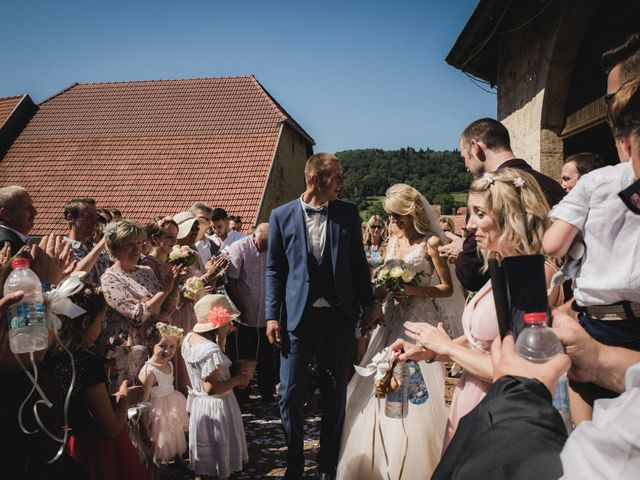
(436,174)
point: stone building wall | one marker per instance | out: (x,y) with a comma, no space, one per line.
(286,180)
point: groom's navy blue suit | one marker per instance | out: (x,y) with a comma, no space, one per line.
(294,281)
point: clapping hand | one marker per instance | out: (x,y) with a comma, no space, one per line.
(434,339)
(451,250)
(52,259)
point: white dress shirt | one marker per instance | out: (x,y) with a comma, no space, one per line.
(608,446)
(232,236)
(316,226)
(609,270)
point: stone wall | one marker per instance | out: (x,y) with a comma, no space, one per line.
(286,180)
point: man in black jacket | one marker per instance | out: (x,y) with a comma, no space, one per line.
(486,147)
(17,215)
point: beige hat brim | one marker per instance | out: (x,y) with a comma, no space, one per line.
(185,227)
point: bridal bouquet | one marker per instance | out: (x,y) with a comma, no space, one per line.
(182,255)
(395,274)
(193,289)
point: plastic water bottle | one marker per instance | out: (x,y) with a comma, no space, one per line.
(538,343)
(27,324)
(397,402)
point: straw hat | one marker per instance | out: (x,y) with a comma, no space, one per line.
(213,311)
(185,221)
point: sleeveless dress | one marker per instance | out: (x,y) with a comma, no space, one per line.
(368,433)
(168,416)
(217,445)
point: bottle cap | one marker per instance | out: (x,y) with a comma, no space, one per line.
(20,262)
(535,317)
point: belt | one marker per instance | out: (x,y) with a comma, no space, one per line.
(614,312)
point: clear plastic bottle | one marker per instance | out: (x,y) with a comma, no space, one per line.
(538,343)
(397,402)
(27,324)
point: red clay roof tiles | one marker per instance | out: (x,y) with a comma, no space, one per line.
(7,104)
(148,148)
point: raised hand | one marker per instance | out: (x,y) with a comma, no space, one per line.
(52,259)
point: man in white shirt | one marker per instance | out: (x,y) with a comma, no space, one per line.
(223,236)
(245,287)
(205,246)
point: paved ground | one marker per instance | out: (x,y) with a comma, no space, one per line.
(265,440)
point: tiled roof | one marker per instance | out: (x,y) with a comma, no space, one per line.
(7,104)
(459,222)
(148,148)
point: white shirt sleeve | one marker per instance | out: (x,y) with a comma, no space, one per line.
(574,207)
(609,445)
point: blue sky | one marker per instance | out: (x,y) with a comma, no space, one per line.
(354,74)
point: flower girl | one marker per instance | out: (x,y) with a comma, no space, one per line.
(167,419)
(217,445)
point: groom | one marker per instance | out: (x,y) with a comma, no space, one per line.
(317,286)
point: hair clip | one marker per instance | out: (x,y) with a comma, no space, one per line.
(488,177)
(518,182)
(111,228)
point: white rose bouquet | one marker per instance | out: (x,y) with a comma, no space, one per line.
(395,274)
(182,255)
(193,289)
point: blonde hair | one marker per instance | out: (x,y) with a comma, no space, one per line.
(367,231)
(516,203)
(403,199)
(318,164)
(118,233)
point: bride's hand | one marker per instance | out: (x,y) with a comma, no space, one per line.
(404,351)
(432,338)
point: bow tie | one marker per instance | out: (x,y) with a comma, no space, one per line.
(312,211)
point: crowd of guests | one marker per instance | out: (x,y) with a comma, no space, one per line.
(153,330)
(170,325)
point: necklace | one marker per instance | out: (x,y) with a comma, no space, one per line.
(158,364)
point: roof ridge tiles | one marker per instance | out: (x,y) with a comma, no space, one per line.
(166,80)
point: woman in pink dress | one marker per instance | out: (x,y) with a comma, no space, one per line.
(509,215)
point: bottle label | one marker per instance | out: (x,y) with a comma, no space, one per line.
(561,398)
(26,314)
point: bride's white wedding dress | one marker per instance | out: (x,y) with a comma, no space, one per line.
(418,438)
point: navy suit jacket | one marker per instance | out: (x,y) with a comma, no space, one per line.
(287,277)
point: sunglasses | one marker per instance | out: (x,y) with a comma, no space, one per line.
(376,227)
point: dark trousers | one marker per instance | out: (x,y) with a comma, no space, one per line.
(243,344)
(327,335)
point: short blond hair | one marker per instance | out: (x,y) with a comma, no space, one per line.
(403,199)
(318,164)
(519,208)
(118,233)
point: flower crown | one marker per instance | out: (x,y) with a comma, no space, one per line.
(170,330)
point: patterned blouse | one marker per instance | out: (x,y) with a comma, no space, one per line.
(126,294)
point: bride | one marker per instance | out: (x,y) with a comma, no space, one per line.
(374,446)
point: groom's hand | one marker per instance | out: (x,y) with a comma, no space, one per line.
(372,317)
(273,333)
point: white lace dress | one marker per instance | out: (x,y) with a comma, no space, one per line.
(368,433)
(217,445)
